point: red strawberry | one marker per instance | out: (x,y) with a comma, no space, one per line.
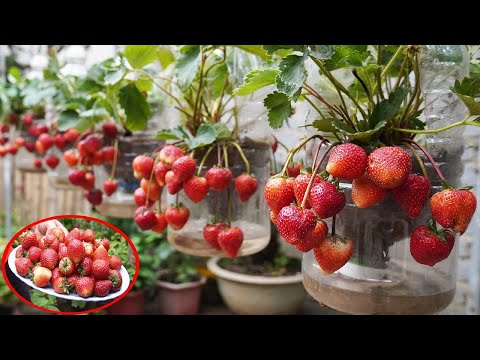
(169,154)
(12,149)
(347,161)
(37,163)
(115,262)
(70,157)
(4,128)
(109,130)
(89,183)
(85,267)
(84,286)
(295,224)
(389,166)
(155,189)
(51,241)
(300,185)
(116,278)
(314,238)
(365,193)
(88,235)
(49,258)
(140,197)
(19,142)
(278,193)
(145,218)
(429,246)
(100,269)
(275,144)
(412,195)
(333,253)
(34,254)
(71,135)
(52,161)
(56,273)
(108,154)
(94,197)
(161,224)
(60,285)
(184,167)
(326,200)
(58,233)
(76,251)
(100,254)
(41,276)
(28,119)
(23,266)
(30,146)
(177,216)
(245,185)
(66,266)
(88,249)
(142,166)
(60,141)
(105,243)
(453,208)
(20,252)
(210,234)
(72,280)
(28,239)
(74,234)
(294,171)
(102,287)
(174,185)
(97,158)
(77,177)
(230,241)
(218,178)
(159,172)
(44,142)
(196,188)
(109,186)
(62,250)
(92,144)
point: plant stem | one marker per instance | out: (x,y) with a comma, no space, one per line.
(333,224)
(225,155)
(115,156)
(392,60)
(313,105)
(150,180)
(242,155)
(219,155)
(202,162)
(314,163)
(320,98)
(429,157)
(434,131)
(413,97)
(419,161)
(295,149)
(200,85)
(379,73)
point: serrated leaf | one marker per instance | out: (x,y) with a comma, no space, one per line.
(360,135)
(114,76)
(143,84)
(187,66)
(172,134)
(321,52)
(165,56)
(136,107)
(205,136)
(292,74)
(95,114)
(270,49)
(67,119)
(472,105)
(279,107)
(324,125)
(347,56)
(255,50)
(388,108)
(255,80)
(291,90)
(216,79)
(416,123)
(222,132)
(467,87)
(140,55)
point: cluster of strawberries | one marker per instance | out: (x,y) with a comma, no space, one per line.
(385,170)
(176,170)
(77,262)
(89,151)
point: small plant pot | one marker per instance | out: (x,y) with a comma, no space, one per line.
(132,304)
(259,295)
(179,299)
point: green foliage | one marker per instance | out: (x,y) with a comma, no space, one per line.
(7,297)
(388,108)
(206,134)
(140,55)
(255,80)
(44,300)
(280,108)
(136,107)
(187,65)
(467,90)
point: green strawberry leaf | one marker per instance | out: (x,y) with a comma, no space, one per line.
(140,55)
(209,133)
(177,133)
(137,109)
(279,107)
(468,87)
(216,79)
(270,49)
(324,125)
(187,66)
(348,131)
(292,74)
(472,105)
(67,119)
(165,56)
(255,80)
(346,56)
(255,50)
(388,108)
(321,52)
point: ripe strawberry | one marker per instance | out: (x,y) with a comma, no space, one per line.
(23,266)
(58,233)
(108,154)
(60,141)
(105,243)
(314,238)
(115,262)
(60,285)
(177,216)
(52,161)
(37,163)
(49,258)
(142,166)
(347,161)
(66,266)
(100,254)
(218,178)
(89,183)
(28,119)
(34,254)
(429,246)
(30,146)
(97,158)
(155,189)
(412,195)
(273,217)
(169,154)
(56,273)
(196,188)
(389,166)
(51,241)
(88,235)
(70,157)
(145,218)
(161,224)
(94,197)
(32,130)
(71,135)
(77,177)
(21,252)
(28,239)
(41,276)
(72,280)
(174,185)
(74,234)
(279,193)
(62,251)
(210,234)
(84,286)
(44,142)
(100,269)
(300,185)
(76,251)
(245,185)
(102,287)
(159,172)
(365,193)
(294,171)
(453,208)
(12,149)
(4,128)
(184,167)
(19,142)
(275,144)
(109,130)
(326,200)
(333,253)
(116,278)
(88,249)
(295,224)
(140,197)
(230,240)
(92,144)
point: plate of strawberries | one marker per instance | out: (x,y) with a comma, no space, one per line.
(73,267)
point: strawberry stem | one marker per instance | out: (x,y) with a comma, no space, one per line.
(295,149)
(334,218)
(242,155)
(225,155)
(115,156)
(429,157)
(316,153)
(199,171)
(219,155)
(150,179)
(283,145)
(419,161)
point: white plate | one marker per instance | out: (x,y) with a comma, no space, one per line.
(49,289)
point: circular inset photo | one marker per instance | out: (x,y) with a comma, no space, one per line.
(70,264)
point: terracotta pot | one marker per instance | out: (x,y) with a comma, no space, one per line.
(132,304)
(259,295)
(179,299)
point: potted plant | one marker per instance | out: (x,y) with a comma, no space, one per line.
(381,255)
(266,283)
